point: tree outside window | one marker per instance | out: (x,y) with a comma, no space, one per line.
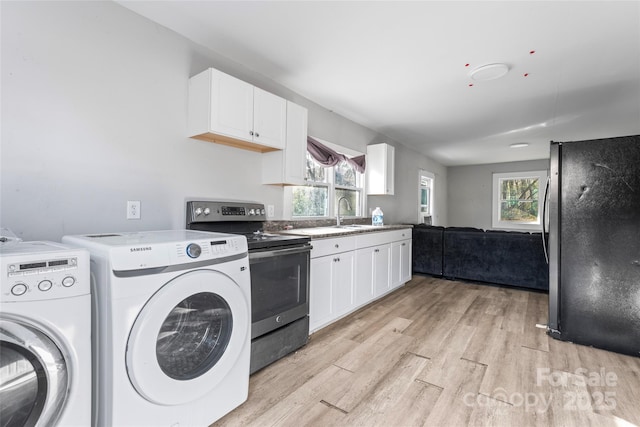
(517,200)
(325,187)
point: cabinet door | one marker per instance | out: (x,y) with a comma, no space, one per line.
(363,290)
(343,281)
(380,169)
(296,145)
(231,106)
(396,264)
(381,263)
(269,119)
(405,261)
(288,166)
(320,297)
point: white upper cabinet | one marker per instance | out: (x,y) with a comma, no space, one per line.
(269,119)
(287,167)
(380,169)
(229,111)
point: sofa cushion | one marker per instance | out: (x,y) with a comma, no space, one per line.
(427,248)
(509,258)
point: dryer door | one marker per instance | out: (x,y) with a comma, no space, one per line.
(187,337)
(33,376)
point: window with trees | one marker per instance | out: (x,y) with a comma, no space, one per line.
(518,200)
(325,186)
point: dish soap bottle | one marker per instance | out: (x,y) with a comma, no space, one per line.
(376,217)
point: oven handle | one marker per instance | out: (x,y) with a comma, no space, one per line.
(277,252)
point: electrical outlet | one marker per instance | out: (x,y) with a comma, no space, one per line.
(133,209)
(271,211)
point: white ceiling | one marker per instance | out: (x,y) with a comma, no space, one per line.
(400,68)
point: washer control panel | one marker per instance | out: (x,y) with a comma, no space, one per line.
(38,276)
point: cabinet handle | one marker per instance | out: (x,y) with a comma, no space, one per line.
(376,250)
(257,135)
(338,259)
(404,244)
(251,132)
(337,245)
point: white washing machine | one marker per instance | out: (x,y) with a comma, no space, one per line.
(173,326)
(45,335)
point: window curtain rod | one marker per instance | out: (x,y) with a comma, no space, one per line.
(328,157)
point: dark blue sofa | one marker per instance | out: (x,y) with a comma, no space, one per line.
(501,257)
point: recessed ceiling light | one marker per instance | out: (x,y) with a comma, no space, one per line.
(519,145)
(489,72)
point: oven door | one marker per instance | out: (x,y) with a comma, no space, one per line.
(279,287)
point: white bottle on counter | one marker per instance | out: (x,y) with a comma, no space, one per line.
(377,217)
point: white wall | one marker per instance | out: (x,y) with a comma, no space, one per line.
(403,206)
(94,104)
(470,191)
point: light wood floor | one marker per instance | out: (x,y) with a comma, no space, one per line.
(448,353)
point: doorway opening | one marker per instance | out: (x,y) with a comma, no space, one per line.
(425,197)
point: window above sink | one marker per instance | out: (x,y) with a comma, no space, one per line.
(325,186)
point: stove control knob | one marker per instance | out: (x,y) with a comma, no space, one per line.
(194,250)
(207,211)
(262,211)
(198,211)
(252,212)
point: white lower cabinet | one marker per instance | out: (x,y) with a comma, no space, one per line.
(405,260)
(342,283)
(321,276)
(364,276)
(372,277)
(400,263)
(331,280)
(350,272)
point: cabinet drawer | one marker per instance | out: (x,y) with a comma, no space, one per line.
(403,234)
(323,247)
(366,240)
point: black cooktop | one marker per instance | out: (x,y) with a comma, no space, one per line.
(256,238)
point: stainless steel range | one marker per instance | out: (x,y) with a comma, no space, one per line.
(279,276)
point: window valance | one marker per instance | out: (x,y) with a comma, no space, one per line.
(328,157)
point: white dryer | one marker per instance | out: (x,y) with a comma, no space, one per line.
(173,325)
(45,335)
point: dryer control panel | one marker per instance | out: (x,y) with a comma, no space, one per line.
(33,271)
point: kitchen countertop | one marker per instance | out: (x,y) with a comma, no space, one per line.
(346,230)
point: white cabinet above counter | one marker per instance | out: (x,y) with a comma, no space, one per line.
(227,110)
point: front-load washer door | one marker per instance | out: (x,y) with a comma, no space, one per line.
(34,377)
(187,337)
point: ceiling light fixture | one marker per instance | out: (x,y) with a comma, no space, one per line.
(489,72)
(519,145)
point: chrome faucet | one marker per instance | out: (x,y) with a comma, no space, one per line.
(348,207)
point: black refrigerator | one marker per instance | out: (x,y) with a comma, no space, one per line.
(594,243)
